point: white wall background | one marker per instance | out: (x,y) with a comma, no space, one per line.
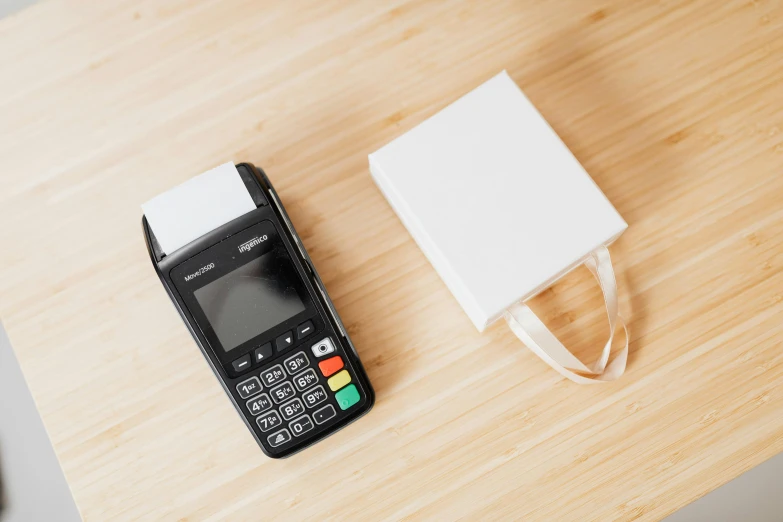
(32,485)
(9,6)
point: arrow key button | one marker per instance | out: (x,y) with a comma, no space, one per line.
(263,353)
(284,341)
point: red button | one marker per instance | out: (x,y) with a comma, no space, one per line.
(331,365)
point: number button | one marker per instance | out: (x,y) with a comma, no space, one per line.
(292,409)
(278,438)
(249,387)
(315,396)
(283,392)
(259,404)
(324,414)
(296,363)
(273,375)
(269,420)
(301,425)
(305,380)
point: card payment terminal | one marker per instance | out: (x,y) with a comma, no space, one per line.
(251,298)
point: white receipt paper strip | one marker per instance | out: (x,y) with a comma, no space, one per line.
(197,206)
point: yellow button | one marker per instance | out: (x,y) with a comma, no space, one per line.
(339,380)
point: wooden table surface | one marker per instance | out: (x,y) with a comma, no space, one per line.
(676,110)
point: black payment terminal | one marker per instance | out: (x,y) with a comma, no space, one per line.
(256,307)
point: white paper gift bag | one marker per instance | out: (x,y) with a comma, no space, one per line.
(502,210)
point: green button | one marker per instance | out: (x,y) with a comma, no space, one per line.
(347,397)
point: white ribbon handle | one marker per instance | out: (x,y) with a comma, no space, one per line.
(536,336)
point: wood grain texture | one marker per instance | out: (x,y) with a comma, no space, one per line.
(674,107)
